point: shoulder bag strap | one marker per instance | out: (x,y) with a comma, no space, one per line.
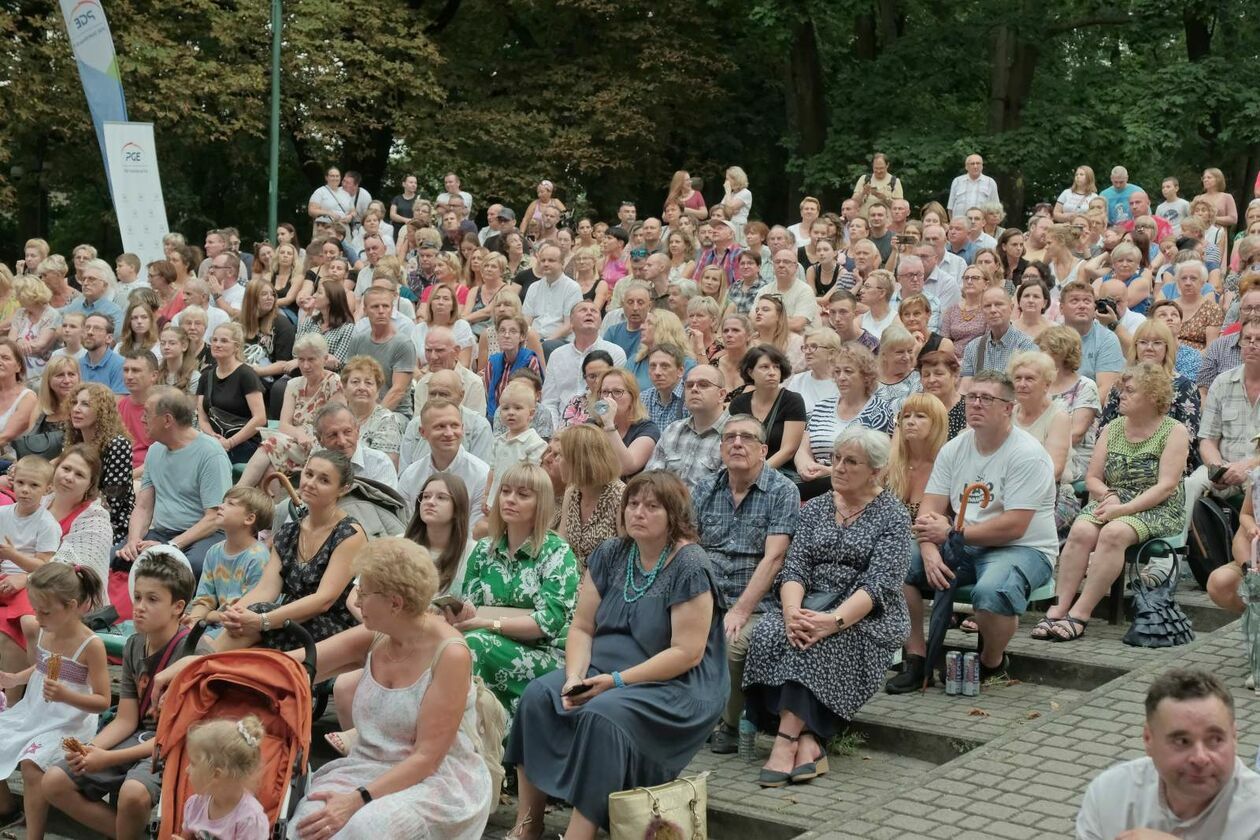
(165,660)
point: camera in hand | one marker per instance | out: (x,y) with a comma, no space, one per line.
(1105,305)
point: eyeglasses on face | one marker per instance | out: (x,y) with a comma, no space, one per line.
(985,400)
(749,438)
(701,385)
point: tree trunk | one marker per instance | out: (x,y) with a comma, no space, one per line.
(1013,65)
(808,91)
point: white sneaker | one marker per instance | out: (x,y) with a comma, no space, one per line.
(1250,683)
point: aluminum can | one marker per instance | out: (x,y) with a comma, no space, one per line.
(971,675)
(953,673)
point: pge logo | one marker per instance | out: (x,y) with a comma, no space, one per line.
(132,153)
(85,13)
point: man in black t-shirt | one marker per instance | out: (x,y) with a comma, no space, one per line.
(881,235)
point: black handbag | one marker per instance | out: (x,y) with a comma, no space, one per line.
(224,423)
(1158,621)
(822,601)
(46,445)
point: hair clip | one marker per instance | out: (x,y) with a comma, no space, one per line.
(250,739)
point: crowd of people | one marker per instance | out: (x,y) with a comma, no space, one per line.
(646,479)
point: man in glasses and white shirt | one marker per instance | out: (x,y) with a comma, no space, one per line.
(1011,539)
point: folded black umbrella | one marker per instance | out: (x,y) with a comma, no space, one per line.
(959,562)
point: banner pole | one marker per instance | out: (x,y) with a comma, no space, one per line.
(273,178)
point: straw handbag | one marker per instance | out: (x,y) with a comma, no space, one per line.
(676,810)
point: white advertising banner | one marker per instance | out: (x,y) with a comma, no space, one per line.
(131,161)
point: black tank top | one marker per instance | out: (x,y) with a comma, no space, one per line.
(825,288)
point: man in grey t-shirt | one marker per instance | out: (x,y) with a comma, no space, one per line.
(395,353)
(186,474)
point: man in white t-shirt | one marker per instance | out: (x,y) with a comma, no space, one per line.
(352,184)
(451,182)
(548,302)
(1011,541)
(798,298)
(1191,784)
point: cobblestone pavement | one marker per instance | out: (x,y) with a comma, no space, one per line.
(1011,763)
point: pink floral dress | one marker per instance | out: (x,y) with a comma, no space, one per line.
(287,454)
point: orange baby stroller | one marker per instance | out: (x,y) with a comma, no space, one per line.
(265,683)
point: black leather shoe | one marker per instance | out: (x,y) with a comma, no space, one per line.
(724,740)
(911,677)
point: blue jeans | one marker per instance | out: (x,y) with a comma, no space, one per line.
(196,553)
(1005,577)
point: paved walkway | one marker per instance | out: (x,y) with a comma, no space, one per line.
(1028,783)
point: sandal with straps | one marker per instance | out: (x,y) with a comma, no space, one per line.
(515,833)
(776,778)
(1043,631)
(1068,629)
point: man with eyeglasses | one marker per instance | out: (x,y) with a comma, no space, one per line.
(1225,353)
(798,298)
(912,280)
(691,448)
(746,514)
(217,243)
(994,347)
(1231,417)
(1011,540)
(96,297)
(939,281)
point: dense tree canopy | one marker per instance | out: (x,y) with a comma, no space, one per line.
(608,97)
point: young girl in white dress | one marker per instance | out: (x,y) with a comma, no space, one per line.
(66,688)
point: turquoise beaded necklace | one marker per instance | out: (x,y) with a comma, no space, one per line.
(632,591)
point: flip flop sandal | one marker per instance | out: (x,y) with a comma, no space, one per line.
(969,626)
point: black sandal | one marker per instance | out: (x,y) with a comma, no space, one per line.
(1043,631)
(776,778)
(1068,629)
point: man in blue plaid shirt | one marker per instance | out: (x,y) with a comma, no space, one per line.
(746,514)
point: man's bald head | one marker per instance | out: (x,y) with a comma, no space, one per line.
(447,385)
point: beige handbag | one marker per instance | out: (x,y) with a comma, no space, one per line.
(677,809)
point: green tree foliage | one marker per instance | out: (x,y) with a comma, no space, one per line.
(608,98)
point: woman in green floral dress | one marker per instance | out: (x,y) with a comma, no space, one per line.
(1136,493)
(520,588)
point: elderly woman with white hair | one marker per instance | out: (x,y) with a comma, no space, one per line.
(842,612)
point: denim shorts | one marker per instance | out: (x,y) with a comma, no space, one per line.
(1006,577)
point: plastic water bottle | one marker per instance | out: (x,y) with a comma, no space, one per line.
(747,739)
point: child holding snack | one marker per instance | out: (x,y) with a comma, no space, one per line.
(67,687)
(224,758)
(118,763)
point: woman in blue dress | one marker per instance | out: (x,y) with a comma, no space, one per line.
(645,674)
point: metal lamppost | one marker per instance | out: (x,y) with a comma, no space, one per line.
(273,178)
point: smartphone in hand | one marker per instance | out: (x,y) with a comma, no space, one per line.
(580,688)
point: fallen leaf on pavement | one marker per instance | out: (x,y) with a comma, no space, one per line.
(978,713)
